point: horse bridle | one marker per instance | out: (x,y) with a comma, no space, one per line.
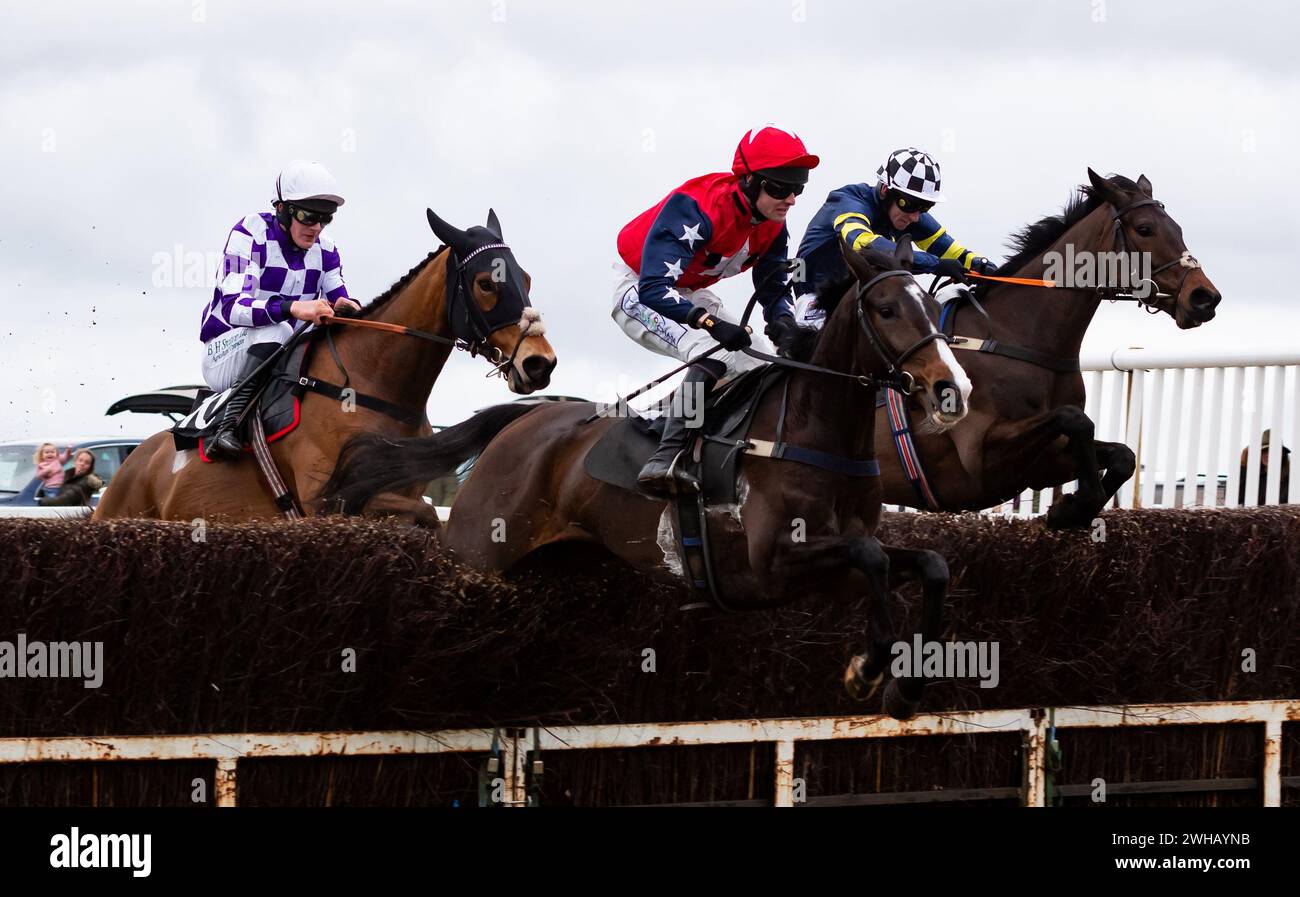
(894,377)
(476,341)
(1186,260)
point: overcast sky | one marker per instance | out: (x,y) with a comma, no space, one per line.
(132,132)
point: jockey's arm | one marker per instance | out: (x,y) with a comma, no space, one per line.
(242,270)
(932,243)
(332,286)
(679,230)
(772,281)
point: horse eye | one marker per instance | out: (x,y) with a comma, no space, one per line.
(1145,230)
(886,311)
(487,285)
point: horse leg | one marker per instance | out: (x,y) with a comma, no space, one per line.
(1119,462)
(864,673)
(902,698)
(1025,459)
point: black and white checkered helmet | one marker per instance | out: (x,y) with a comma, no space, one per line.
(912,172)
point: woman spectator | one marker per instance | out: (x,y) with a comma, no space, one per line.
(77,488)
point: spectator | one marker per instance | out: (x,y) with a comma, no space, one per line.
(78,488)
(49,463)
(1263,472)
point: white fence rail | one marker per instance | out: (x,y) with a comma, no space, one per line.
(1196,421)
(513,762)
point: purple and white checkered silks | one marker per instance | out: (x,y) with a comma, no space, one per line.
(261,264)
(912,172)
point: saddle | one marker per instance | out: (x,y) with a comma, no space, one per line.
(277,405)
(711,457)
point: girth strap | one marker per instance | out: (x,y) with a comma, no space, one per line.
(1020,353)
(784,451)
(374,403)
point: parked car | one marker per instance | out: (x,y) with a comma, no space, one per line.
(18,483)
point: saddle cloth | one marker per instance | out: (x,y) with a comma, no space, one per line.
(279,403)
(621,453)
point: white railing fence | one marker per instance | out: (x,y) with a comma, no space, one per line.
(1196,421)
(515,756)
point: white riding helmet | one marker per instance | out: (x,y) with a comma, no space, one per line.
(913,172)
(304,180)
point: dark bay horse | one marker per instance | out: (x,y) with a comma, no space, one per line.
(1027,428)
(796,530)
(473,291)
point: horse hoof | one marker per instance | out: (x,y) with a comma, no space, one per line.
(858,686)
(896,705)
(1068,514)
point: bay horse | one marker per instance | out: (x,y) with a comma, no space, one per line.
(797,529)
(472,293)
(1027,428)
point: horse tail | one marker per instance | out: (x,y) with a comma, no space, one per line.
(371,464)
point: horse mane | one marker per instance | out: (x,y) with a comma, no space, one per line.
(1034,239)
(829,296)
(379,301)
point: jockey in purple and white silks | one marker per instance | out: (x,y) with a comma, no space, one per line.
(279,268)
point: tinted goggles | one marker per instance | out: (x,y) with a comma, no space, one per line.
(780,189)
(307,218)
(911,204)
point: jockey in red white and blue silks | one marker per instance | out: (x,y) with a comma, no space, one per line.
(709,228)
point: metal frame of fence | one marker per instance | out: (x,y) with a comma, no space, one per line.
(511,748)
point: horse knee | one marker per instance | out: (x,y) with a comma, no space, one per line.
(869,556)
(1073,422)
(932,568)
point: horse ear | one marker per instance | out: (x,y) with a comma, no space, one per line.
(857,262)
(903,252)
(453,237)
(493,224)
(1144,185)
(1105,189)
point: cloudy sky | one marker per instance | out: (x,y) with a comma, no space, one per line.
(137,134)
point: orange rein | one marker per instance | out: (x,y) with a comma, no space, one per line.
(1019,281)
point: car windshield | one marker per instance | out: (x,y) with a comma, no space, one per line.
(16,467)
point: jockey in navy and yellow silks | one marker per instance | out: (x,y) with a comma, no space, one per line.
(875,215)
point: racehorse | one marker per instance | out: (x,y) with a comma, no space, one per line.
(798,527)
(1026,428)
(470,294)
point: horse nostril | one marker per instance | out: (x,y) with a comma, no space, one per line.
(538,368)
(948,397)
(1203,300)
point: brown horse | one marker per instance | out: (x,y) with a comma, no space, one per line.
(1026,428)
(797,529)
(473,294)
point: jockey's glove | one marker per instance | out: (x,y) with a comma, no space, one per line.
(783,331)
(981,265)
(950,268)
(732,336)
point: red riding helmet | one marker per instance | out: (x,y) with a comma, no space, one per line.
(779,154)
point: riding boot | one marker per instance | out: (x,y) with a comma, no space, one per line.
(227,443)
(657,474)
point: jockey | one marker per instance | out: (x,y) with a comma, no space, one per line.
(278,267)
(862,215)
(711,227)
